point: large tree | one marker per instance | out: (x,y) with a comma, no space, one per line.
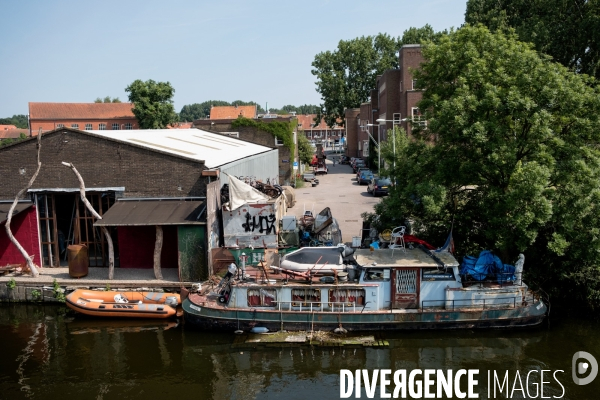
(568,30)
(510,154)
(20,121)
(153,103)
(346,75)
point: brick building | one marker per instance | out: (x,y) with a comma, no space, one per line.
(394,99)
(232,112)
(321,132)
(136,181)
(83,116)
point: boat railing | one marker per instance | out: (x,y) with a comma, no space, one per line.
(495,302)
(311,306)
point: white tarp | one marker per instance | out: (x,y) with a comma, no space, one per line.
(241,193)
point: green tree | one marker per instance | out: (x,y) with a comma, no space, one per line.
(510,154)
(346,76)
(107,99)
(569,31)
(192,112)
(153,103)
(305,150)
(19,120)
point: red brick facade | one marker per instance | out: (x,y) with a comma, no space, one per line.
(82,116)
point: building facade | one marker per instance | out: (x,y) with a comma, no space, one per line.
(82,116)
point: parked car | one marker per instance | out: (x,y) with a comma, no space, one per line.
(379,186)
(344,160)
(364,177)
(357,165)
(361,170)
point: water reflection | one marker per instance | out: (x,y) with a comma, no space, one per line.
(49,353)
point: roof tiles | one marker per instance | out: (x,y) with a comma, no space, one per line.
(41,111)
(232,112)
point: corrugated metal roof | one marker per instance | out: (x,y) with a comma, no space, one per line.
(154,212)
(4,207)
(211,148)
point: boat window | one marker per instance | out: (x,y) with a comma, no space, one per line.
(262,297)
(349,297)
(377,275)
(306,297)
(435,274)
(330,256)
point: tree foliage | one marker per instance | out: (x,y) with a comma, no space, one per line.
(107,99)
(305,150)
(301,110)
(19,120)
(153,103)
(346,75)
(569,31)
(510,155)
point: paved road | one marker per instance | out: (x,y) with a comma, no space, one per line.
(339,191)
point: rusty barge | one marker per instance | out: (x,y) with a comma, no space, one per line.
(387,289)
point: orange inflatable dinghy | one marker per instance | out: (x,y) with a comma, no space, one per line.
(123,304)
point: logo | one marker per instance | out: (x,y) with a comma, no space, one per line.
(583,367)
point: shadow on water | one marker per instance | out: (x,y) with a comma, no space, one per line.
(51,353)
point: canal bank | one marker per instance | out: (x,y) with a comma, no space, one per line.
(52,282)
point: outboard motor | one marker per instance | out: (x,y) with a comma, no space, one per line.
(171,301)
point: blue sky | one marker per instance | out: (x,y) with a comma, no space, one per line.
(76,51)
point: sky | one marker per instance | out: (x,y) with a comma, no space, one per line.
(77,51)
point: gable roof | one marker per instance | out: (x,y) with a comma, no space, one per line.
(40,111)
(13,133)
(232,112)
(7,127)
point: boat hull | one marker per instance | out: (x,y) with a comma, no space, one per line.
(214,317)
(102,304)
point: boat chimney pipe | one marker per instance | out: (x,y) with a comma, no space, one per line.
(243,257)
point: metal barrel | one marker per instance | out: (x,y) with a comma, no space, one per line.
(79,261)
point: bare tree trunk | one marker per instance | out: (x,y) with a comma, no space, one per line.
(157,251)
(34,272)
(111,250)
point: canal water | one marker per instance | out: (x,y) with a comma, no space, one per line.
(47,352)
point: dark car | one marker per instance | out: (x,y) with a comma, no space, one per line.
(361,170)
(344,160)
(379,186)
(364,177)
(358,164)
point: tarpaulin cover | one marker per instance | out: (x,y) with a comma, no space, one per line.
(241,193)
(486,265)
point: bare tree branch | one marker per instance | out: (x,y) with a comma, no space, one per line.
(111,251)
(29,259)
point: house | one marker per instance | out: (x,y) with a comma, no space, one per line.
(82,116)
(136,180)
(320,132)
(394,100)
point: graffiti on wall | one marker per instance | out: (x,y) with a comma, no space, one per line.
(264,225)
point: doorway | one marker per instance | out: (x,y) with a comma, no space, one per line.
(64,220)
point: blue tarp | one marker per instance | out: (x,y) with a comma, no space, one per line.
(487,265)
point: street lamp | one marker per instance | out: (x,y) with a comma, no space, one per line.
(380,120)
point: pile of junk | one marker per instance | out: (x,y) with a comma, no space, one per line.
(311,230)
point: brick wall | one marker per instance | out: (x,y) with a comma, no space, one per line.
(351,123)
(49,125)
(102,163)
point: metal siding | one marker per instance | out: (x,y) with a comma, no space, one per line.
(261,166)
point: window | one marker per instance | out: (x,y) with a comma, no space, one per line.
(401,86)
(115,127)
(365,148)
(60,125)
(102,127)
(262,297)
(88,127)
(128,126)
(278,142)
(397,118)
(75,126)
(417,118)
(414,85)
(348,297)
(306,298)
(377,275)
